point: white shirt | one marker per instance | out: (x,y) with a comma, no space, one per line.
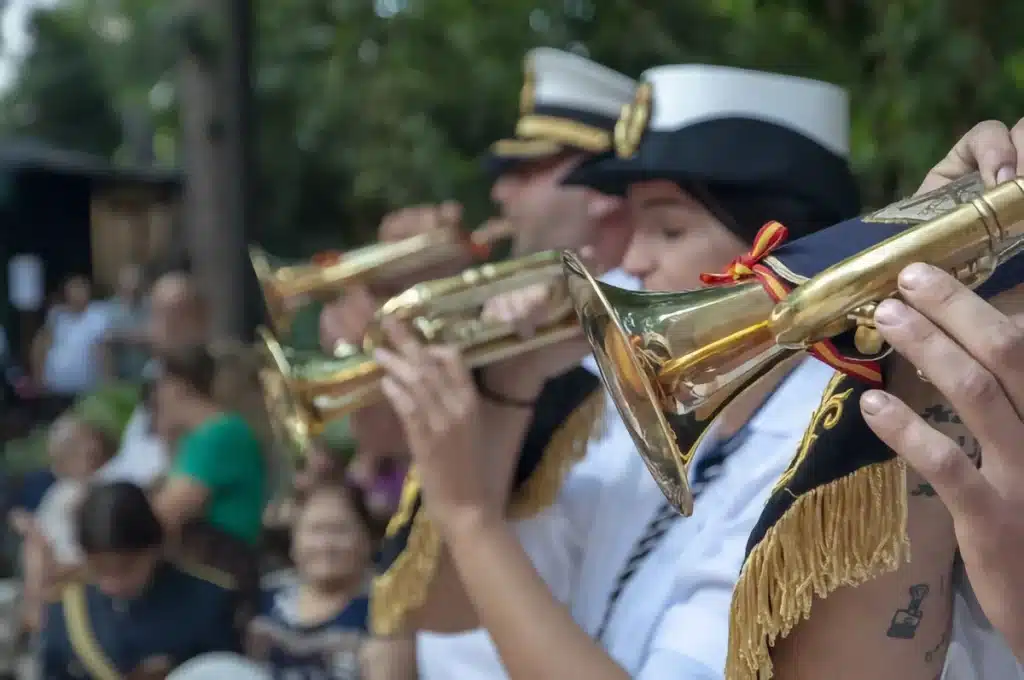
(142,457)
(472,655)
(976,651)
(671,620)
(72,363)
(56,519)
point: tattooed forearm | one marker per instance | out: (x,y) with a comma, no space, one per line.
(906,620)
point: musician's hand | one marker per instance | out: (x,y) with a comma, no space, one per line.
(419,219)
(992,148)
(433,394)
(346,319)
(527,310)
(974,355)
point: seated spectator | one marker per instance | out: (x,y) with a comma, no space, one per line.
(66,354)
(177,318)
(317,628)
(218,472)
(212,499)
(79,444)
(140,615)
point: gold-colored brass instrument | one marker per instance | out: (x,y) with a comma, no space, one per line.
(314,388)
(283,285)
(673,361)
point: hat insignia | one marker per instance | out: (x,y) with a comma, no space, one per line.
(632,123)
(527,94)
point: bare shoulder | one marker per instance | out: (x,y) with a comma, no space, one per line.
(895,626)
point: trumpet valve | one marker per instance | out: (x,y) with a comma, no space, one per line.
(866,337)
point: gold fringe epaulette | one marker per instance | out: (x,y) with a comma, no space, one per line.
(404,586)
(844,532)
(568,446)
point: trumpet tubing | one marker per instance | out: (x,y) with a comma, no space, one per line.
(673,361)
(969,242)
(284,284)
(312,389)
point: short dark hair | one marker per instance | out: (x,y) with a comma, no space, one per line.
(117,518)
(194,365)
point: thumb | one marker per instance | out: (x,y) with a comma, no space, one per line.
(987,148)
(936,457)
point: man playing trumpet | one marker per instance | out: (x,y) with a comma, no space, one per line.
(539,412)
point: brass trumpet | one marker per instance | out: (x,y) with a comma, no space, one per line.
(317,388)
(673,361)
(284,284)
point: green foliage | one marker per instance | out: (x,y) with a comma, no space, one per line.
(368,106)
(61,94)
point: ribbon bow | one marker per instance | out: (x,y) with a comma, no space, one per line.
(768,238)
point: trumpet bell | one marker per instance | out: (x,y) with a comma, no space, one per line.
(285,285)
(673,361)
(291,426)
(269,273)
(306,390)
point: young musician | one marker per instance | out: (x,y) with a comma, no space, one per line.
(724,151)
(854,602)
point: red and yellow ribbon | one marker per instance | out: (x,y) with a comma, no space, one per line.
(769,237)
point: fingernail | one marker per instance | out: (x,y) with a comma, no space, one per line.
(917,275)
(890,312)
(1004,174)
(873,401)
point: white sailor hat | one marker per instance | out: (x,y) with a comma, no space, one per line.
(567,102)
(735,129)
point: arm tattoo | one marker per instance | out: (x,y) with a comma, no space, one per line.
(923,489)
(906,620)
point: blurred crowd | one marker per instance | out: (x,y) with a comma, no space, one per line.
(151,416)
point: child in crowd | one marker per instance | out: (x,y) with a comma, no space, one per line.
(80,443)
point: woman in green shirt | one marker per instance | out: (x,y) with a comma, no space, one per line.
(218,469)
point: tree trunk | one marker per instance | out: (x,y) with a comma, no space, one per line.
(214,225)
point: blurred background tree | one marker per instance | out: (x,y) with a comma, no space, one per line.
(363,106)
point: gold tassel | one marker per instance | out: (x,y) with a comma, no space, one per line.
(567,447)
(813,550)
